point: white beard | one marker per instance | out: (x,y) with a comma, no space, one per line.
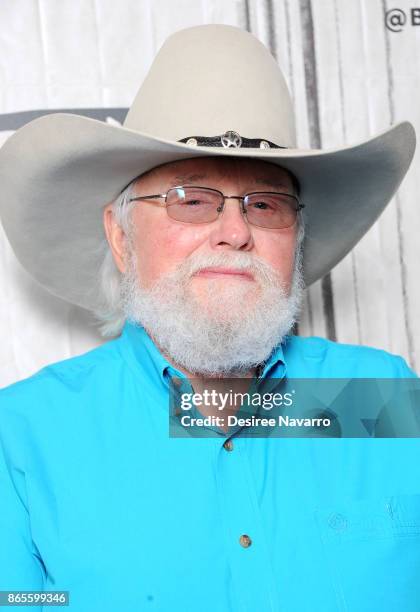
(234,329)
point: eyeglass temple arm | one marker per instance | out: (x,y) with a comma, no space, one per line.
(148,197)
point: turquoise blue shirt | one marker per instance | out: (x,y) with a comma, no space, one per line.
(96,498)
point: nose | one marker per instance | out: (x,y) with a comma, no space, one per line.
(231,228)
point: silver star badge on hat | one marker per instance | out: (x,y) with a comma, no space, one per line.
(231,139)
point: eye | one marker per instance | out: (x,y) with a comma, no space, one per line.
(193,202)
(263,205)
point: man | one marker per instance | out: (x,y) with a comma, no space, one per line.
(202,268)
(220,299)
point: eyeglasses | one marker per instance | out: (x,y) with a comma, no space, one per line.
(191,204)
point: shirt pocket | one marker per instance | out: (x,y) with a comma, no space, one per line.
(372,553)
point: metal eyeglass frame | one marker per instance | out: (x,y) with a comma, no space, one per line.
(299,204)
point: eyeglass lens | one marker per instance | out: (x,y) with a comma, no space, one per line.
(203,205)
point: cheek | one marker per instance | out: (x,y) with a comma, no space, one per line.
(162,246)
(279,251)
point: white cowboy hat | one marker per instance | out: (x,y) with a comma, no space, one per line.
(210,86)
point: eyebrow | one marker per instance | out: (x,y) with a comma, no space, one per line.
(183,179)
(272,183)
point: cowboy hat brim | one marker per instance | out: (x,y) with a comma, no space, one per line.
(57,173)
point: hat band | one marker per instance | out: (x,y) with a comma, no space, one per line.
(230,139)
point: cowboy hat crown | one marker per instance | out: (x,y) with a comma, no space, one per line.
(208,80)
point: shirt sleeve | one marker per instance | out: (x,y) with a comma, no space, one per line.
(20,567)
(404,370)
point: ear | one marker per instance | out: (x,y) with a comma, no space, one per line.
(116,237)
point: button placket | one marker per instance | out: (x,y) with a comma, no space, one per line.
(246,540)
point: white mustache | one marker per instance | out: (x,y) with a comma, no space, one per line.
(241,261)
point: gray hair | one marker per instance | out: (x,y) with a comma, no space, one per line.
(109,315)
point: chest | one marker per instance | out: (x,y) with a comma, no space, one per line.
(331,524)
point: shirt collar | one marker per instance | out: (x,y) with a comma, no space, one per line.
(276,358)
(143,351)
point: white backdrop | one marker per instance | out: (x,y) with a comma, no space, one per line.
(349,75)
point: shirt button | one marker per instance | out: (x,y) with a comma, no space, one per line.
(228,445)
(245,541)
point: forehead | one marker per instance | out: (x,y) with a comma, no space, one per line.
(196,169)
